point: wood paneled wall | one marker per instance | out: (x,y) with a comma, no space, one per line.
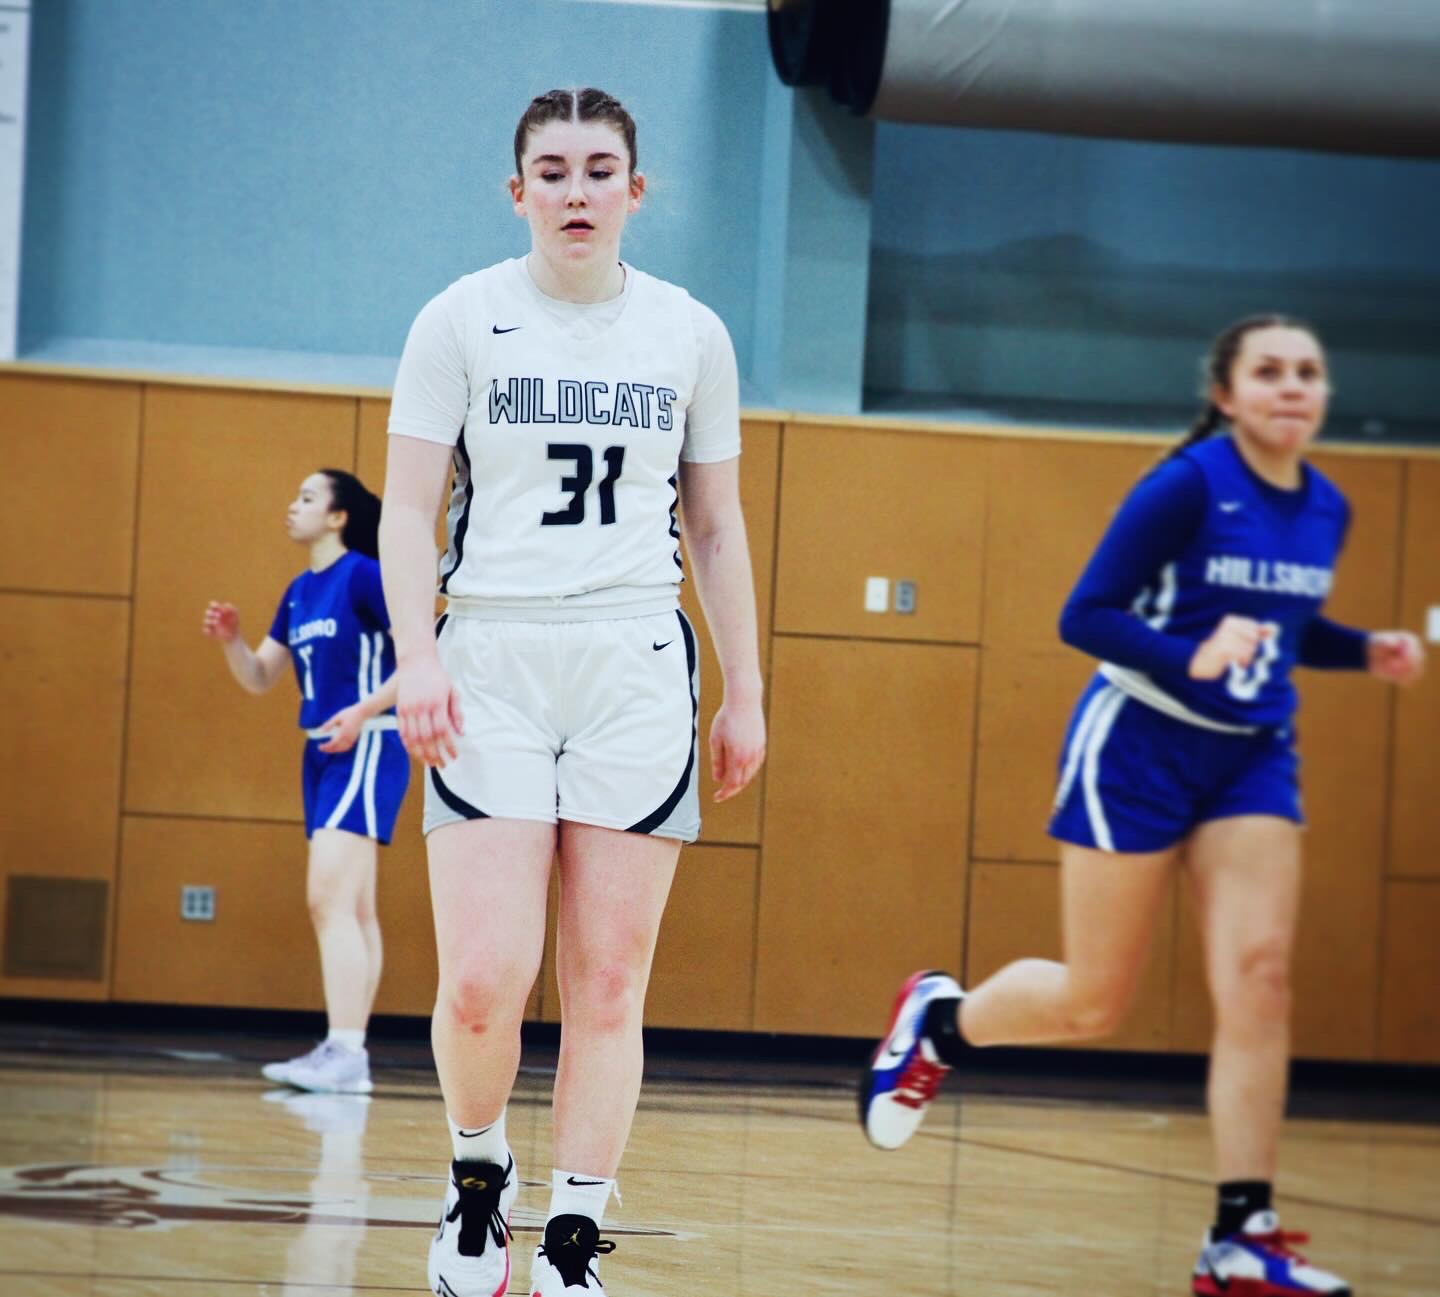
(899,822)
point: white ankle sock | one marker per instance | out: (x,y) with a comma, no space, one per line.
(482,1144)
(349,1038)
(575,1194)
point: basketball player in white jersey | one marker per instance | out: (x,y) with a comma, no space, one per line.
(580,402)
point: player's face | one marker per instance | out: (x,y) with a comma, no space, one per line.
(576,191)
(309,516)
(1279,390)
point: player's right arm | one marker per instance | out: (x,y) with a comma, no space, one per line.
(1153,525)
(427,703)
(256,669)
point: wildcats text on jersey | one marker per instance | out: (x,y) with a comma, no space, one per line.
(569,400)
(1267,577)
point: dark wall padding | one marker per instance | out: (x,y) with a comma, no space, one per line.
(1353,76)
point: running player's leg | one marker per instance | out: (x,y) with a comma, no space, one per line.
(1109,906)
(488,888)
(1246,873)
(1246,876)
(613,888)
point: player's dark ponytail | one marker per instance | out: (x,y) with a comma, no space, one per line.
(362,524)
(1218,369)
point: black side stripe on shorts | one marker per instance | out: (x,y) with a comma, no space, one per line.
(455,802)
(661,813)
(462,454)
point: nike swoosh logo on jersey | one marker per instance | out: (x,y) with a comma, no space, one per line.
(658,647)
(582,1183)
(495,328)
(1229,506)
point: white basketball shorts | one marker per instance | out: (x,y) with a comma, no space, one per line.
(590,721)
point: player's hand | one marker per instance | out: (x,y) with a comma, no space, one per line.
(344,729)
(1396,655)
(428,705)
(221,622)
(1234,642)
(737,746)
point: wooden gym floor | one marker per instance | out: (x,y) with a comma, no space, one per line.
(155,1167)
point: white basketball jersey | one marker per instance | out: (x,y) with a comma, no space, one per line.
(566,464)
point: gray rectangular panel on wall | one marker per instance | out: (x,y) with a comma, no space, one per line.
(55,927)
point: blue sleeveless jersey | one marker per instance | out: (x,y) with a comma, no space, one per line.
(338,632)
(1200,538)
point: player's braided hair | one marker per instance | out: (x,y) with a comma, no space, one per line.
(1219,366)
(583,105)
(362,508)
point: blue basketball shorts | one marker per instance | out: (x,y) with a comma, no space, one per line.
(359,791)
(1135,779)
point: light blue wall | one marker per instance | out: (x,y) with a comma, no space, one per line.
(1016,272)
(291,179)
(304,174)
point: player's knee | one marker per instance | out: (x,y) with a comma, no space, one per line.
(1259,988)
(607,996)
(477,998)
(326,904)
(1092,1011)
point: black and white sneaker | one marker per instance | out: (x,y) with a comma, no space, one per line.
(565,1263)
(470,1253)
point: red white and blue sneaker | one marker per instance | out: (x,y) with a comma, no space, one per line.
(1260,1261)
(470,1253)
(904,1071)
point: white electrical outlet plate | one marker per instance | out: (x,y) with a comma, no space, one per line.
(197,903)
(877,593)
(905,596)
(1432,624)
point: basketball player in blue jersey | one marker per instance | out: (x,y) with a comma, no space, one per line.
(333,626)
(1204,594)
(580,402)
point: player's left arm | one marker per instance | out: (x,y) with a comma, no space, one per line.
(367,597)
(720,563)
(1396,656)
(344,727)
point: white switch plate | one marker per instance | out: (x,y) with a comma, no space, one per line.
(877,593)
(197,903)
(1432,624)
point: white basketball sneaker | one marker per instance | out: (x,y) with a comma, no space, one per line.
(470,1253)
(1260,1261)
(567,1260)
(329,1069)
(280,1072)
